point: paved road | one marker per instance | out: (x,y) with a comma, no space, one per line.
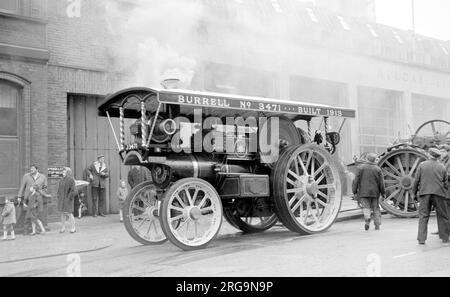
(344,250)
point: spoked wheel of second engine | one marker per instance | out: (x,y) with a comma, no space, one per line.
(399,169)
(141,215)
(307,189)
(191,213)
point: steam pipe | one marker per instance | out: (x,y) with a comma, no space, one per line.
(143,125)
(114,131)
(153,124)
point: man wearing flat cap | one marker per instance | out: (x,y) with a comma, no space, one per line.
(98,173)
(431,186)
(368,186)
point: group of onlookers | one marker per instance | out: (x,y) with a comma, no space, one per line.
(431,187)
(32,196)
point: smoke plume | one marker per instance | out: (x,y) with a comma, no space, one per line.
(153,40)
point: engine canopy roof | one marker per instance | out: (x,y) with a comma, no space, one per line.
(213,104)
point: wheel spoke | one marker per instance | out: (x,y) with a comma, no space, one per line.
(142,223)
(194,197)
(392,167)
(176,218)
(295,197)
(391,181)
(139,208)
(206,211)
(141,216)
(320,193)
(180,200)
(400,165)
(399,198)
(297,170)
(182,224)
(325,205)
(293,183)
(406,200)
(305,171)
(189,198)
(330,186)
(390,174)
(177,208)
(320,179)
(393,187)
(203,201)
(294,190)
(393,194)
(296,206)
(308,209)
(433,128)
(146,203)
(407,160)
(293,174)
(414,167)
(152,222)
(324,165)
(313,165)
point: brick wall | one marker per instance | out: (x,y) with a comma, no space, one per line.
(77,41)
(22,32)
(78,65)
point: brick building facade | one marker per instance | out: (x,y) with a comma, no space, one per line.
(55,65)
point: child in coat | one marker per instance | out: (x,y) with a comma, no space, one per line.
(8,217)
(122,193)
(34,207)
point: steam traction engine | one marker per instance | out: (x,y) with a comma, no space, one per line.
(399,164)
(214,155)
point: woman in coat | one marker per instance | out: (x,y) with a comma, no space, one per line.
(66,196)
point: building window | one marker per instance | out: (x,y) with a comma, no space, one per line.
(343,23)
(9,137)
(9,6)
(232,79)
(426,108)
(28,8)
(378,119)
(8,110)
(372,30)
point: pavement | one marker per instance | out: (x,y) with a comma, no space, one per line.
(95,234)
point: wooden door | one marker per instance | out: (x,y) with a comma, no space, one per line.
(89,136)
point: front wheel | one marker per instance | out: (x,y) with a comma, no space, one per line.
(191,213)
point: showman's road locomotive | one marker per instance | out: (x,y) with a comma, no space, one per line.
(399,164)
(215,155)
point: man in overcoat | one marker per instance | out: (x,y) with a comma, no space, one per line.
(430,186)
(368,186)
(98,173)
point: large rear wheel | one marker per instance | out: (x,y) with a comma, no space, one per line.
(399,167)
(307,189)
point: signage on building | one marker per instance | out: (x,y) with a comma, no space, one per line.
(55,172)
